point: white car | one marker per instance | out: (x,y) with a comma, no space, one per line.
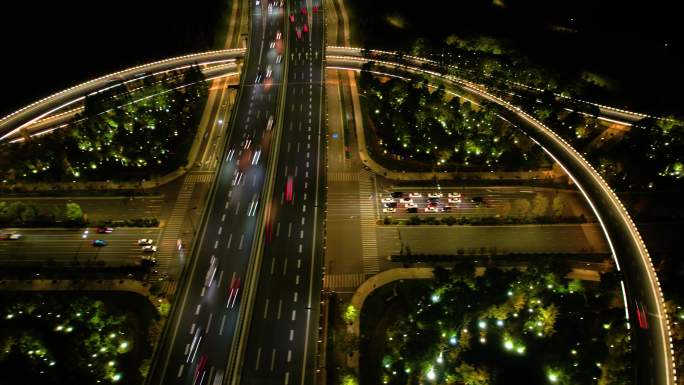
(454,200)
(415,195)
(13,236)
(145,242)
(149,248)
(389,210)
(435,195)
(454,195)
(388,200)
(410,205)
(433,209)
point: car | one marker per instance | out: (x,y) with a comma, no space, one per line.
(410,204)
(454,200)
(194,345)
(231,154)
(314,9)
(145,242)
(477,200)
(272,45)
(299,34)
(288,189)
(258,2)
(432,204)
(149,248)
(233,291)
(433,200)
(213,268)
(305,28)
(435,195)
(259,77)
(278,35)
(104,230)
(454,195)
(388,200)
(247,143)
(389,210)
(390,204)
(12,236)
(412,210)
(257,155)
(201,370)
(396,194)
(148,259)
(303,11)
(406,200)
(292,19)
(641,314)
(269,72)
(432,209)
(99,243)
(279,58)
(416,195)
(269,124)
(447,209)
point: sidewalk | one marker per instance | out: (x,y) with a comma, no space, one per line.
(428,176)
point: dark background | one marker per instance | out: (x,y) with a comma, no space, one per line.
(622,40)
(51,45)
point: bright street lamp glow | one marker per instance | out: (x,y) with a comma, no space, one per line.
(431,374)
(508,345)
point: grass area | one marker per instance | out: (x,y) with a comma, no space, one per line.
(75,338)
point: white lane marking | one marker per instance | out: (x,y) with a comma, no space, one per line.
(223,218)
(192,328)
(273,359)
(198,309)
(296,294)
(216,243)
(303,208)
(220,230)
(187,349)
(226,206)
(272,265)
(280,307)
(278,229)
(230,239)
(304,196)
(306,174)
(287,378)
(294,314)
(180,370)
(303,217)
(237,208)
(256,367)
(202,292)
(289,229)
(211,316)
(218,284)
(300,248)
(223,321)
(285,266)
(301,234)
(297,280)
(299,263)
(291,334)
(266,309)
(289,357)
(242,238)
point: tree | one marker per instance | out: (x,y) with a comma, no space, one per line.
(74,213)
(521,207)
(559,204)
(540,205)
(472,375)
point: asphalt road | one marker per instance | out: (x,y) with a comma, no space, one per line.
(70,245)
(281,346)
(229,225)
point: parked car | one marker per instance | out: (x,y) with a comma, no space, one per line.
(145,242)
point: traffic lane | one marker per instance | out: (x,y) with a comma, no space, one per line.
(40,245)
(246,194)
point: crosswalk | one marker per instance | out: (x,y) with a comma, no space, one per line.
(204,177)
(369,238)
(343,281)
(341,176)
(172,230)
